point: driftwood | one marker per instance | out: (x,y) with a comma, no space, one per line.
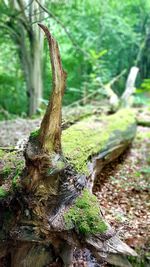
(41,200)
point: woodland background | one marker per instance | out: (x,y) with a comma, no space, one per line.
(98,40)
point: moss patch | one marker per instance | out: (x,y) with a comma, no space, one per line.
(11,169)
(3,192)
(85,215)
(90,135)
(16,178)
(35,133)
(2,153)
(11,163)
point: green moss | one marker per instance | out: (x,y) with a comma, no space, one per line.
(35,133)
(88,137)
(85,215)
(3,192)
(16,178)
(11,164)
(2,153)
(7,170)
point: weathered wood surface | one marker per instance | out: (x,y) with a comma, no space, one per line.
(36,195)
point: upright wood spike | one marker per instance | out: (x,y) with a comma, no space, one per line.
(50,130)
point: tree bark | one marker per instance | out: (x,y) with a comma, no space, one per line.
(37,48)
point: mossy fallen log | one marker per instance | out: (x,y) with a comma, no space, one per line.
(87,147)
(45,200)
(93,142)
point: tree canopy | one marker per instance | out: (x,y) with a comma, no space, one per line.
(98,41)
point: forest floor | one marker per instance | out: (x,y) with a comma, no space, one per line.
(122,188)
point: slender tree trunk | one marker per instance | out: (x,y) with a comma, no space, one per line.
(36,46)
(29,40)
(35,87)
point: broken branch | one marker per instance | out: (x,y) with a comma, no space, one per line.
(50,130)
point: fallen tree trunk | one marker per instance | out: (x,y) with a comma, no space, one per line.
(46,203)
(95,141)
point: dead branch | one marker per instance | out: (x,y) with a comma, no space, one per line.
(50,130)
(130,85)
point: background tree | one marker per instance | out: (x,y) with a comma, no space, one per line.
(98,41)
(18,21)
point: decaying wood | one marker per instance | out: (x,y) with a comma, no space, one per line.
(130,85)
(114,100)
(49,136)
(52,180)
(50,130)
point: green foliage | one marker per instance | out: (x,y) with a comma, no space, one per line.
(106,37)
(145,86)
(13,98)
(85,215)
(141,261)
(111,28)
(141,98)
